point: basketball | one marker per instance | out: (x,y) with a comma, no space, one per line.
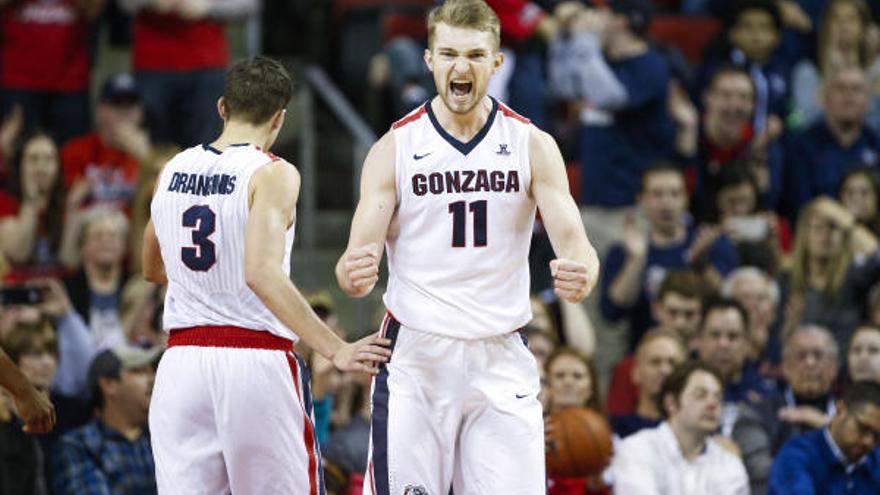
(580,443)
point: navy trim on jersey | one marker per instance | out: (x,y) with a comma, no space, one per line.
(380,417)
(208,147)
(306,374)
(464,148)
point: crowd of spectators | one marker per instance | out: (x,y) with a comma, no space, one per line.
(733,196)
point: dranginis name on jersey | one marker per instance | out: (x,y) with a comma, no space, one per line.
(201,185)
(459,181)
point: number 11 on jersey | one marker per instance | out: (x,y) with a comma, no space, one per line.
(459,219)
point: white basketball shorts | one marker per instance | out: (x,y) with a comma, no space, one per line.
(454,413)
(231,412)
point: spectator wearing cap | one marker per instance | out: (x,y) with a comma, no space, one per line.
(112,453)
(840,458)
(103,164)
(607,64)
(179,56)
(46,61)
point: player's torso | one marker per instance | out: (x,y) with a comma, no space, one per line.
(458,242)
(200,212)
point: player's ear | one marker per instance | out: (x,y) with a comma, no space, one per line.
(221,107)
(499,61)
(429,59)
(278,119)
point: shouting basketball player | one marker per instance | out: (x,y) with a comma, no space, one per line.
(452,189)
(231,410)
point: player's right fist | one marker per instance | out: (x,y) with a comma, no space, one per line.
(361,269)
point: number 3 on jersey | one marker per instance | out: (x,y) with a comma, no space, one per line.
(202,257)
(459,218)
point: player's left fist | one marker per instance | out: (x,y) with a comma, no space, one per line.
(571,280)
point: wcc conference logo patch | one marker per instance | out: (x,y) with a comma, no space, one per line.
(415,490)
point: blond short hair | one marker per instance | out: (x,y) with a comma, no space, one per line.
(468,14)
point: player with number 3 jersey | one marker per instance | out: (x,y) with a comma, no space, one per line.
(231,409)
(451,191)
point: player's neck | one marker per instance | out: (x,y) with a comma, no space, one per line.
(239,133)
(462,126)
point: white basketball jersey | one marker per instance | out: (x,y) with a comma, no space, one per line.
(459,240)
(200,211)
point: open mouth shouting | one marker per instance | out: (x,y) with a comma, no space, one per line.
(460,90)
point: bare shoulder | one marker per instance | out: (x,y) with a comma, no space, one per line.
(541,144)
(279,180)
(278,172)
(384,149)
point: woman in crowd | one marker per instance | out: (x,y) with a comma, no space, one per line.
(571,382)
(860,193)
(32,210)
(834,264)
(863,356)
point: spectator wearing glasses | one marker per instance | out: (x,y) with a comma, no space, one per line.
(841,458)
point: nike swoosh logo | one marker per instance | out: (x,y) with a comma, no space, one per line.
(523,396)
(419,157)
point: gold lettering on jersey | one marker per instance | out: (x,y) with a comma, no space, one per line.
(465,181)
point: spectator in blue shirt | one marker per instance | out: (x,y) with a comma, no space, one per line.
(806,402)
(840,459)
(750,40)
(820,156)
(620,81)
(723,342)
(635,268)
(112,453)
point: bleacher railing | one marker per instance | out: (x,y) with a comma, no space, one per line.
(318,83)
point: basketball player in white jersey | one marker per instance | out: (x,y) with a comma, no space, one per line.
(451,190)
(230,409)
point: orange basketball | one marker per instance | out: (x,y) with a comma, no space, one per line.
(580,443)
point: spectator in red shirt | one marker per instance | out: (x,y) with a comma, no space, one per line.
(32,209)
(678,309)
(45,62)
(107,158)
(179,55)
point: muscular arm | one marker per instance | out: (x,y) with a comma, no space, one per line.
(558,210)
(274,191)
(371,220)
(154,268)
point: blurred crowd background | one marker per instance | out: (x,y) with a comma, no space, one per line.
(724,154)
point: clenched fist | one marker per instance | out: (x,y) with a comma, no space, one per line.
(571,280)
(361,270)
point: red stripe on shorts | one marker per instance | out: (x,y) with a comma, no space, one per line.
(228,336)
(308,432)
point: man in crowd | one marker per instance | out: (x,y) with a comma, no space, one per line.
(840,458)
(809,367)
(683,457)
(112,453)
(659,352)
